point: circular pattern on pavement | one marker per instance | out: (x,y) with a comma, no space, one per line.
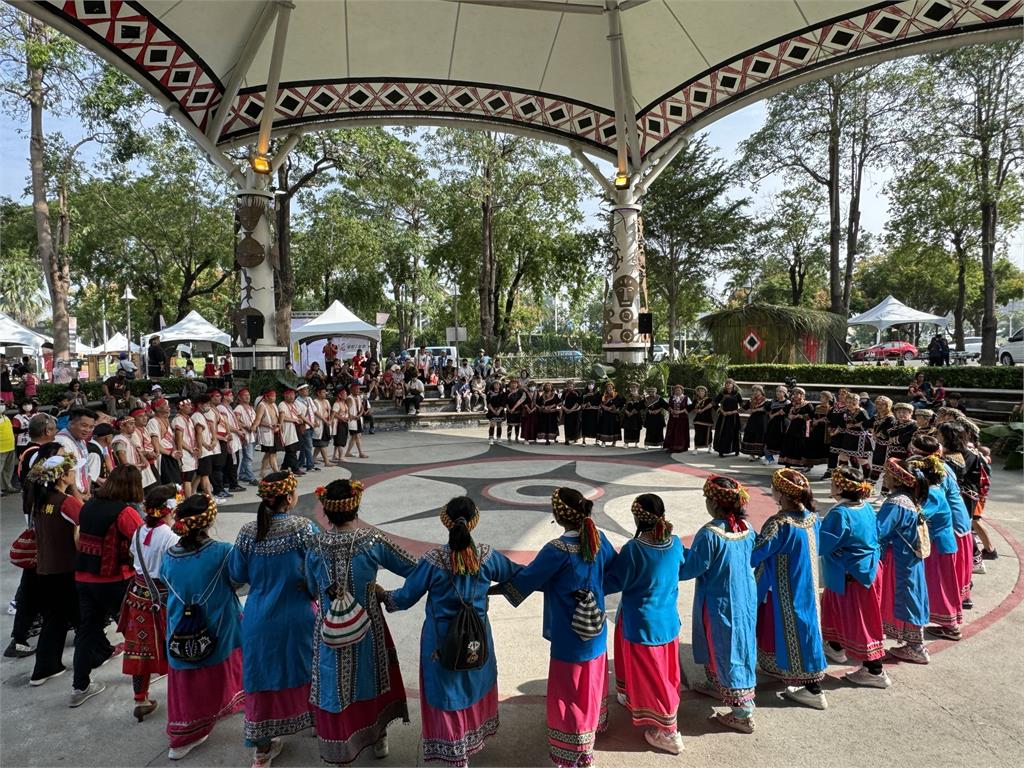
(536,492)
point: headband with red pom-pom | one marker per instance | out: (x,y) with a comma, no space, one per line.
(199,522)
(351,504)
(268,489)
(661,529)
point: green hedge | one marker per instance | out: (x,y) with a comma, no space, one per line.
(955,377)
(50,394)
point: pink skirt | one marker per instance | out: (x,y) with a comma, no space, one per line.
(269,714)
(965,563)
(577,709)
(648,676)
(452,736)
(198,698)
(944,604)
(854,619)
(893,627)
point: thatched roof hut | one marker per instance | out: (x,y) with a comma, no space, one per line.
(771,333)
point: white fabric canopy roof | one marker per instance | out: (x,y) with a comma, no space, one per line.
(891,311)
(116,343)
(192,327)
(16,334)
(565,69)
(336,320)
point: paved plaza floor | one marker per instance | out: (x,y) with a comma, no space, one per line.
(965,708)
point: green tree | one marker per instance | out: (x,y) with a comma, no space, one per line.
(21,280)
(690,223)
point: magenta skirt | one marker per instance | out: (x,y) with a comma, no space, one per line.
(965,563)
(452,736)
(198,698)
(854,619)
(577,709)
(648,676)
(269,714)
(944,604)
(893,627)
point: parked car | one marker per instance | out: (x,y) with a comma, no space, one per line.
(437,353)
(972,346)
(661,352)
(887,350)
(1012,352)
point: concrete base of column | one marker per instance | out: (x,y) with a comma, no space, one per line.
(630,354)
(260,358)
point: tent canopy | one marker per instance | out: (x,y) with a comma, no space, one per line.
(16,334)
(592,73)
(116,343)
(891,311)
(192,327)
(336,320)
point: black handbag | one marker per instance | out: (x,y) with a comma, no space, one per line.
(465,643)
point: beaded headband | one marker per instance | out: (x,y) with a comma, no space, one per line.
(48,470)
(282,487)
(863,487)
(900,474)
(933,462)
(351,504)
(790,483)
(564,511)
(661,528)
(448,523)
(727,497)
(197,522)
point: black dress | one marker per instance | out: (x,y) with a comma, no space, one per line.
(817,449)
(778,423)
(703,418)
(727,425)
(514,418)
(856,439)
(571,419)
(900,435)
(756,428)
(590,414)
(608,430)
(654,422)
(836,422)
(677,436)
(496,407)
(547,417)
(880,432)
(795,441)
(632,421)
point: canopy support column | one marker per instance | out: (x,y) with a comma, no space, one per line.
(255,255)
(625,300)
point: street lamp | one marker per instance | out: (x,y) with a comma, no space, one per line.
(750,290)
(128,296)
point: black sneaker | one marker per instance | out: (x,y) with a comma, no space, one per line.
(18,650)
(989,554)
(967,604)
(236,489)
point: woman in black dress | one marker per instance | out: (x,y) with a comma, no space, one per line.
(778,423)
(902,432)
(608,429)
(727,425)
(855,448)
(836,422)
(757,424)
(677,436)
(591,400)
(549,406)
(572,404)
(632,417)
(703,418)
(495,411)
(654,419)
(531,414)
(882,424)
(799,429)
(817,449)
(514,399)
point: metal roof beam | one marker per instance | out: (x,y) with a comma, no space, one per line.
(632,132)
(591,167)
(284,13)
(538,5)
(618,89)
(654,166)
(241,68)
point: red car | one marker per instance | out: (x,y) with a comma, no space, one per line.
(887,350)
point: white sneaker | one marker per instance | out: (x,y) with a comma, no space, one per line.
(78,698)
(979,568)
(263,759)
(913,654)
(380,749)
(176,753)
(12,608)
(865,678)
(839,657)
(490,442)
(667,742)
(801,695)
(621,698)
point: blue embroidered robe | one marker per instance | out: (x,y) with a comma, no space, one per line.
(897,529)
(648,576)
(849,545)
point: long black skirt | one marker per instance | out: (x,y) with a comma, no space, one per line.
(608,429)
(631,425)
(654,434)
(589,423)
(547,426)
(794,443)
(727,434)
(701,434)
(571,423)
(754,432)
(816,449)
(775,435)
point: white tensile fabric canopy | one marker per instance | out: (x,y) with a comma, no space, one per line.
(891,311)
(336,320)
(116,343)
(192,327)
(14,333)
(592,73)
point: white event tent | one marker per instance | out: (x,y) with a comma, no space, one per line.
(16,334)
(891,311)
(116,343)
(336,320)
(192,327)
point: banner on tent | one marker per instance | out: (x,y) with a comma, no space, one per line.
(307,354)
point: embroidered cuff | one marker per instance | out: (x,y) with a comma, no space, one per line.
(389,602)
(513,595)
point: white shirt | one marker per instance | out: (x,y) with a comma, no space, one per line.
(200,420)
(73,447)
(246,416)
(289,435)
(163,538)
(188,441)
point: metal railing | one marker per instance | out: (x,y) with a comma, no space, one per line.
(552,365)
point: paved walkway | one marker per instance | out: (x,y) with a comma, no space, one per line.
(965,708)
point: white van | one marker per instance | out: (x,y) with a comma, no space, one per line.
(437,353)
(1012,352)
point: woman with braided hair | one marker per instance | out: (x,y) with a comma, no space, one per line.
(945,607)
(143,619)
(851,608)
(458,707)
(647,572)
(277,627)
(903,536)
(199,693)
(725,602)
(785,559)
(357,689)
(570,571)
